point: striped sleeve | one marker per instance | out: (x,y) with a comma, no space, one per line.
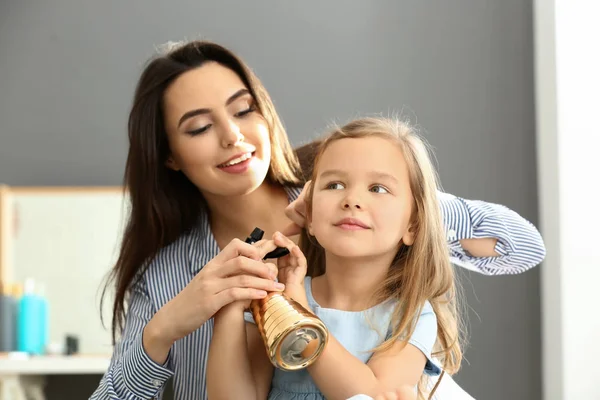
(132,375)
(519,243)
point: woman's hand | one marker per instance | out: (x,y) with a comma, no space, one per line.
(296,211)
(236,274)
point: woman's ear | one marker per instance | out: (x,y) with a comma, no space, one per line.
(172,164)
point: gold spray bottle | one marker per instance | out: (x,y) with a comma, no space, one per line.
(294,337)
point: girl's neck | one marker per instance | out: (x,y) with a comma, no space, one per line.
(236,216)
(350,283)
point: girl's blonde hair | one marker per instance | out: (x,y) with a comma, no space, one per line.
(419,272)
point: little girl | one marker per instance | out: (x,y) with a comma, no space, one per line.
(372,265)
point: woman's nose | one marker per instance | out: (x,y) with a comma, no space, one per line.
(231,135)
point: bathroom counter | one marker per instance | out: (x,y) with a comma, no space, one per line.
(52,365)
(23,378)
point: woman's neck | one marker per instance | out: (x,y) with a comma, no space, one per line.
(350,283)
(236,216)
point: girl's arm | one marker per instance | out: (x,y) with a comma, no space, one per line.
(337,373)
(340,375)
(238,367)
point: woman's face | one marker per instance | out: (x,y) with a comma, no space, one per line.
(217,136)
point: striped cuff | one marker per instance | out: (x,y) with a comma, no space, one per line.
(474,219)
(493,226)
(456,217)
(142,376)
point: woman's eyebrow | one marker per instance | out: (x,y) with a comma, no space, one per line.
(199,111)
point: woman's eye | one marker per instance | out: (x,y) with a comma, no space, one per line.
(334,186)
(245,112)
(379,189)
(199,130)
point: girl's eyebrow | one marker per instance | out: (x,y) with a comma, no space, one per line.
(374,174)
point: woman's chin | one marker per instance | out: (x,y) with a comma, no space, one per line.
(234,189)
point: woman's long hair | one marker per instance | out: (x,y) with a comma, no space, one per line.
(164,204)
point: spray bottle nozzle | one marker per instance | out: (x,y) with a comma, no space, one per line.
(256,235)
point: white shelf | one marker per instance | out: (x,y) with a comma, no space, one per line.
(54,365)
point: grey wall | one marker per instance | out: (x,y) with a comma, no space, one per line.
(461,69)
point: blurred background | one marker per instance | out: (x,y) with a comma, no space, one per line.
(464,71)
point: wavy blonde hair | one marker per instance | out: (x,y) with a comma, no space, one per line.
(419,272)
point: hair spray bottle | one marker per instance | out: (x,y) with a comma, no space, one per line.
(294,337)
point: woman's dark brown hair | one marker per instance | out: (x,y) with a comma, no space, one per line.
(164,204)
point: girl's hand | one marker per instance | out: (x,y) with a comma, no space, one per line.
(296,211)
(292,267)
(403,393)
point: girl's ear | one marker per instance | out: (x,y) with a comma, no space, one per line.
(409,237)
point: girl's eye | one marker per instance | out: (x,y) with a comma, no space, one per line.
(379,189)
(334,186)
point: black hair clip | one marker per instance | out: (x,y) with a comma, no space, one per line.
(256,235)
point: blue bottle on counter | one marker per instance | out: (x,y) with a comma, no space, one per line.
(32,325)
(8,319)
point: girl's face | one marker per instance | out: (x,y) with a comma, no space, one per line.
(362,202)
(216,134)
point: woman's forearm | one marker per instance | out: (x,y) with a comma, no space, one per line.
(489,238)
(484,247)
(155,341)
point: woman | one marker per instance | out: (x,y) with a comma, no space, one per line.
(208,161)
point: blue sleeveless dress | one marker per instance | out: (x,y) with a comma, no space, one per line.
(358,332)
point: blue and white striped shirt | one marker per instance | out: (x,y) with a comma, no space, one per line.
(132,375)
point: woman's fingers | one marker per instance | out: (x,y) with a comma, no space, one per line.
(237,248)
(246,266)
(249,282)
(244,287)
(296,211)
(230,295)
